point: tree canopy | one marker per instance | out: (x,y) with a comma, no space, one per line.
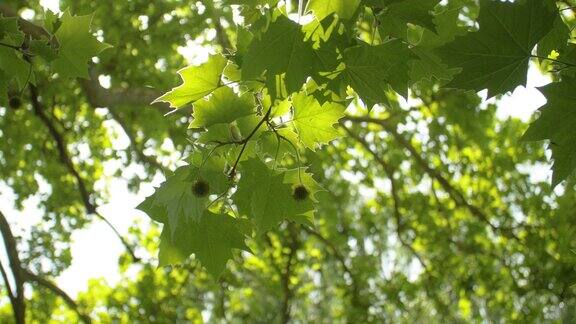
(323,160)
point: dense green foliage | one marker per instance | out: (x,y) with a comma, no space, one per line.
(330,161)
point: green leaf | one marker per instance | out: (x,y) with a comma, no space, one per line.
(14,66)
(372,70)
(428,66)
(43,49)
(197,82)
(314,123)
(566,62)
(10,32)
(211,240)
(557,123)
(344,9)
(555,40)
(270,145)
(266,198)
(280,50)
(496,57)
(300,176)
(77,46)
(177,200)
(3,89)
(174,202)
(223,106)
(397,14)
(447,29)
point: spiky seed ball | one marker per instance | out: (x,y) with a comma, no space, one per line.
(200,188)
(15,102)
(300,193)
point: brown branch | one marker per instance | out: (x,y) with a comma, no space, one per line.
(98,96)
(59,292)
(39,111)
(356,299)
(221,35)
(22,275)
(62,149)
(288,294)
(18,305)
(456,195)
(134,143)
(389,170)
(8,286)
(13,300)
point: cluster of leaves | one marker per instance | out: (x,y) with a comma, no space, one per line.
(287,84)
(63,44)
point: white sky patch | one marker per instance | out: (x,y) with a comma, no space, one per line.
(95,249)
(524,101)
(194,52)
(52,5)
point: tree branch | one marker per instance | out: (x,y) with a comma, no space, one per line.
(39,111)
(288,293)
(22,275)
(98,96)
(456,195)
(59,292)
(389,170)
(10,293)
(18,304)
(356,299)
(134,143)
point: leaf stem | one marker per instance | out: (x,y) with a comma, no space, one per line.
(10,46)
(297,155)
(553,60)
(247,139)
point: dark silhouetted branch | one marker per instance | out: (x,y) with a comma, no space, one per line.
(18,305)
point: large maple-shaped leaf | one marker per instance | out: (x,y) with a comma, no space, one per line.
(557,123)
(372,70)
(223,106)
(197,82)
(313,122)
(77,46)
(281,50)
(211,240)
(265,196)
(496,56)
(345,9)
